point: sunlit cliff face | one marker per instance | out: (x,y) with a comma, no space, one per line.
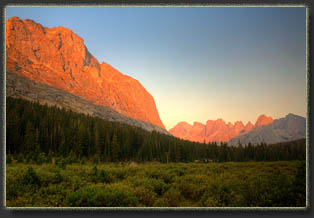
(59,58)
(263,120)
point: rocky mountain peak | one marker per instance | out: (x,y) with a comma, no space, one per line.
(58,57)
(217,130)
(263,120)
(238,124)
(289,128)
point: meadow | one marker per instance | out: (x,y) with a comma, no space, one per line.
(154,184)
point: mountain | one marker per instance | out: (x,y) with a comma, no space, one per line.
(216,130)
(291,127)
(57,57)
(21,87)
(263,120)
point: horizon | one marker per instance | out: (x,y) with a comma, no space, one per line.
(271,42)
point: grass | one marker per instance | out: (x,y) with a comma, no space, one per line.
(230,184)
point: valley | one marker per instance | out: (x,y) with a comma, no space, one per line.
(80,133)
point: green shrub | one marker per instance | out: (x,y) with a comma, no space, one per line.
(12,187)
(118,174)
(218,194)
(178,172)
(48,177)
(104,177)
(58,178)
(161,202)
(280,190)
(111,196)
(156,185)
(51,196)
(299,186)
(94,174)
(117,195)
(145,196)
(254,193)
(61,162)
(94,170)
(172,198)
(271,191)
(191,186)
(168,177)
(190,190)
(31,178)
(160,187)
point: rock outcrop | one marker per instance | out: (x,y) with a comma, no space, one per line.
(263,120)
(58,58)
(216,130)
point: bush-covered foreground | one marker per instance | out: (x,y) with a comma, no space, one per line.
(230,184)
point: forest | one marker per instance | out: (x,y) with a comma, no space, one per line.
(58,158)
(38,133)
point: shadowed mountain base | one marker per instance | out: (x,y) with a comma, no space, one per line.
(18,86)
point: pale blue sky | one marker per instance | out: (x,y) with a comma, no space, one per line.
(199,63)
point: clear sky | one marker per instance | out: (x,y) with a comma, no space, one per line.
(199,63)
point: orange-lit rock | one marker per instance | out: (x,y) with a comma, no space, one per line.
(58,57)
(249,126)
(215,130)
(263,120)
(238,126)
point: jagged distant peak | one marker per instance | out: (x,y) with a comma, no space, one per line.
(263,120)
(216,130)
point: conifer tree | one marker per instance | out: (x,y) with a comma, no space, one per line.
(115,148)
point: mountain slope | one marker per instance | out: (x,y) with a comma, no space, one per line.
(58,57)
(216,130)
(20,87)
(289,128)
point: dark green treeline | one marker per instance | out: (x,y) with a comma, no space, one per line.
(37,133)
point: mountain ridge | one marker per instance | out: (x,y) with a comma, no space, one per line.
(266,129)
(216,130)
(58,57)
(289,128)
(21,87)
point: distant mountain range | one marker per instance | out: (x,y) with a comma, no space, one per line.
(58,58)
(291,127)
(265,129)
(216,130)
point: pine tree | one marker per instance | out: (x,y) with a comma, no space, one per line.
(115,148)
(97,142)
(29,138)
